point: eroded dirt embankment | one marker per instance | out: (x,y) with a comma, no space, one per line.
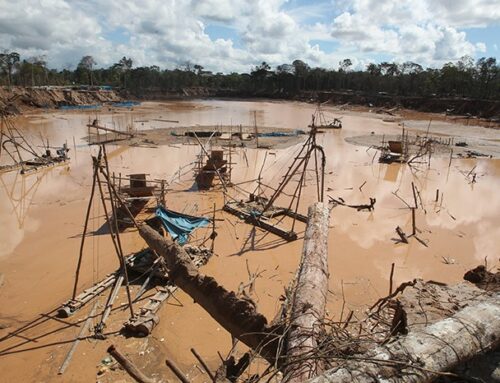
(19,99)
(458,106)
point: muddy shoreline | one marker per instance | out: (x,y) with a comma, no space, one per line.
(483,112)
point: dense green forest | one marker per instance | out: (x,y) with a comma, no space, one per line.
(465,78)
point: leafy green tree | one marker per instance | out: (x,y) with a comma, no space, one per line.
(123,67)
(301,70)
(345,64)
(487,71)
(85,68)
(8,61)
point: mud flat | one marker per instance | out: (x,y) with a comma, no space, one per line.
(464,140)
(42,215)
(268,137)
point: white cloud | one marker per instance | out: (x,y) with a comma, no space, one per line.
(425,31)
(169,32)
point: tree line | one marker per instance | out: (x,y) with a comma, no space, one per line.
(465,78)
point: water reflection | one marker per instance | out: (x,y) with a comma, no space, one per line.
(472,209)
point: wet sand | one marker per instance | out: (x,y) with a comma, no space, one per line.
(41,218)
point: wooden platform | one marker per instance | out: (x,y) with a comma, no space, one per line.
(146,319)
(71,306)
(32,166)
(239,210)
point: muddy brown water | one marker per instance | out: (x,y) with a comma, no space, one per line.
(41,220)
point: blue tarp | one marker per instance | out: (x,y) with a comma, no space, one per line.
(77,107)
(296,132)
(126,104)
(179,225)
(121,104)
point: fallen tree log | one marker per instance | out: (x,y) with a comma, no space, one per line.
(309,301)
(237,315)
(423,355)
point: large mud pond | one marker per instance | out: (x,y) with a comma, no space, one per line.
(42,216)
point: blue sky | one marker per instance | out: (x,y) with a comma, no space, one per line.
(235,35)
(489,35)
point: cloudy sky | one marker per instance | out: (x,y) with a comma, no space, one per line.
(234,35)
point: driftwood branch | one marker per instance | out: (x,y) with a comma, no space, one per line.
(402,234)
(369,206)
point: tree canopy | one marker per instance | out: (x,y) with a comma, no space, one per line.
(465,78)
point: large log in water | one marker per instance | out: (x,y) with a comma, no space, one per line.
(422,355)
(238,316)
(308,308)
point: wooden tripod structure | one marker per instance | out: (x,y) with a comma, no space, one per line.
(259,209)
(299,164)
(101,169)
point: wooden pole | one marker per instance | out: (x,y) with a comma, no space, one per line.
(203,364)
(414,228)
(128,366)
(162,193)
(256,130)
(176,370)
(109,305)
(230,153)
(309,300)
(84,328)
(299,159)
(213,232)
(298,190)
(390,278)
(85,226)
(414,195)
(115,220)
(98,127)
